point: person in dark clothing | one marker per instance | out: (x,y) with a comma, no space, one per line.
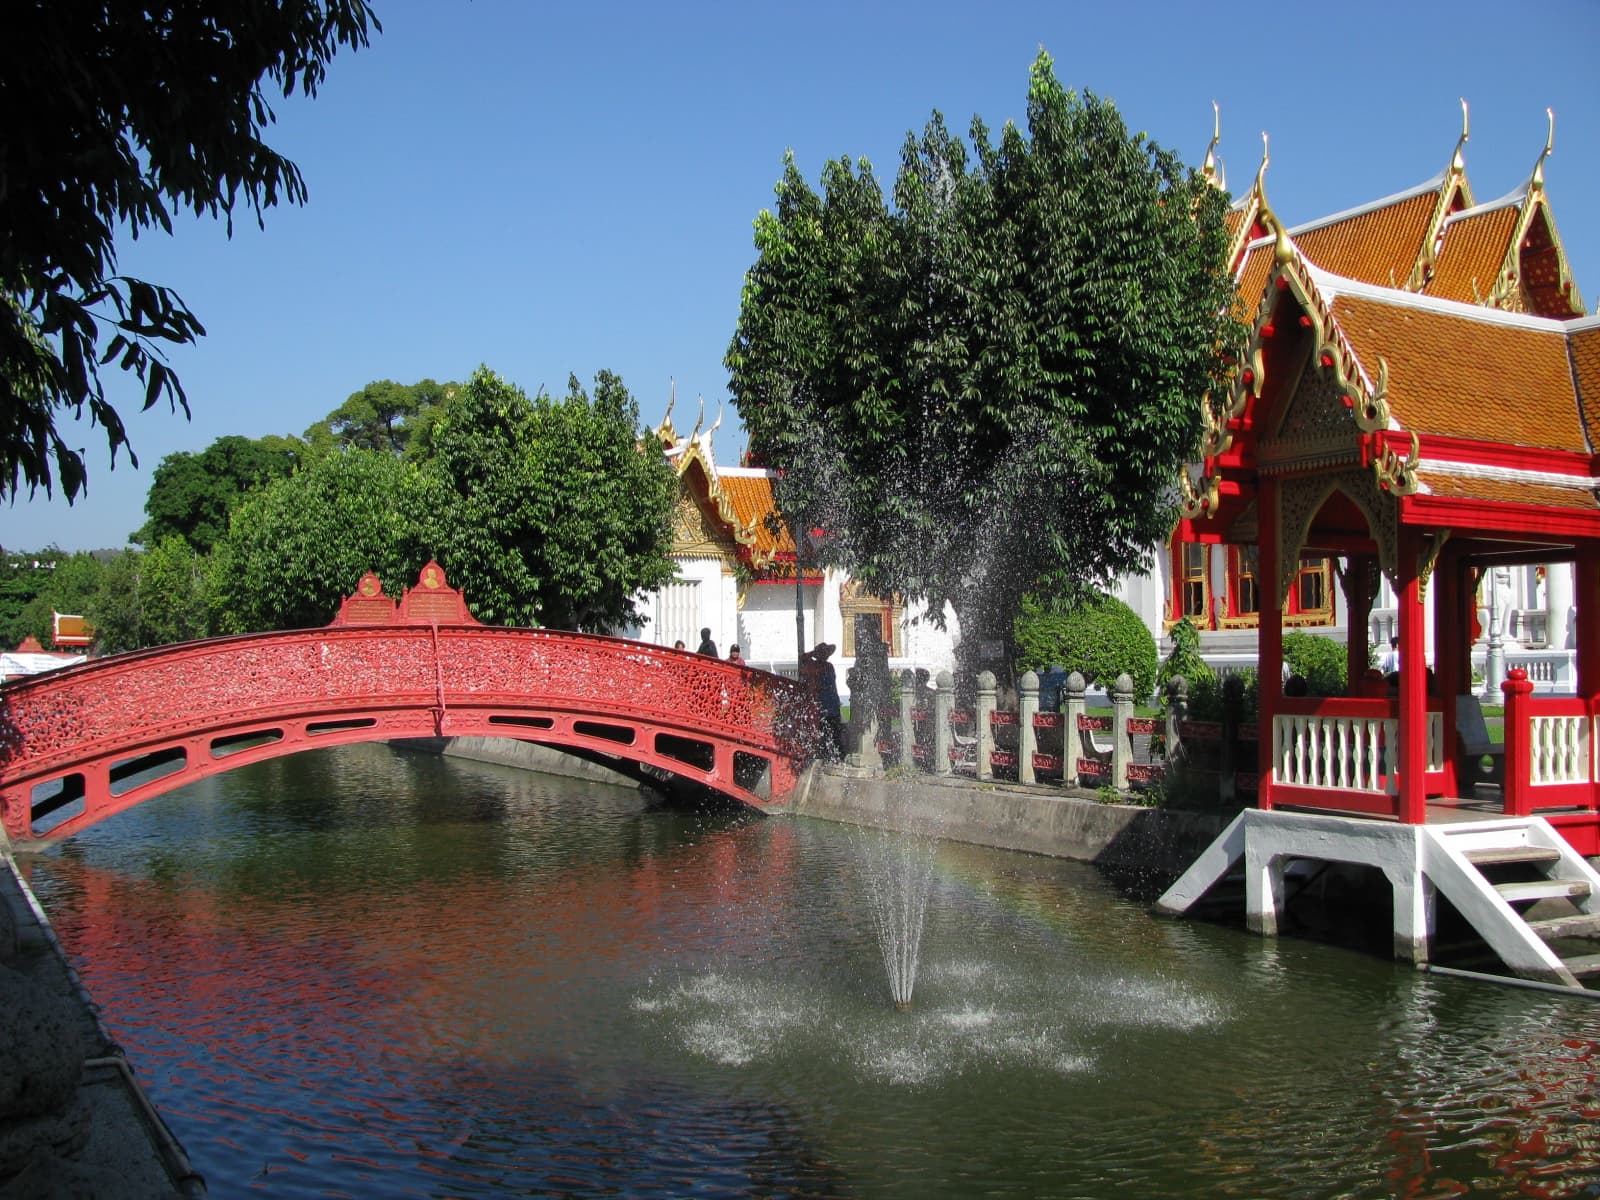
(707,646)
(822,682)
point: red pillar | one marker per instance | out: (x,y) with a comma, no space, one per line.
(1413,756)
(1450,649)
(1269,647)
(1517,795)
(1358,604)
(1586,592)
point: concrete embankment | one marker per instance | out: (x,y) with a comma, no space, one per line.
(73,1119)
(1061,823)
(1033,819)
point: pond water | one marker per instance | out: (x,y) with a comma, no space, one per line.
(364,972)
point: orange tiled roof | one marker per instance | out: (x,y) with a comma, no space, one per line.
(1252,280)
(1506,491)
(1474,252)
(1585,344)
(1378,245)
(750,493)
(1466,372)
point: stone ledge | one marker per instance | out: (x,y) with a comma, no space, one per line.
(1011,816)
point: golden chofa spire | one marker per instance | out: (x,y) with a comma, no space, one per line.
(1455,195)
(1210,169)
(1549,144)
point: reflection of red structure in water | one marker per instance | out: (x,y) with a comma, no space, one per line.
(102,733)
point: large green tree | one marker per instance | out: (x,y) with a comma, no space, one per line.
(986,388)
(545,511)
(298,546)
(191,495)
(118,115)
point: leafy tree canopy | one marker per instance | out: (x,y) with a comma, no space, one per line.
(986,389)
(120,114)
(191,495)
(296,547)
(545,511)
(384,415)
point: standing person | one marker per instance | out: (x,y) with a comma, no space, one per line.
(1390,663)
(678,645)
(707,646)
(733,654)
(823,682)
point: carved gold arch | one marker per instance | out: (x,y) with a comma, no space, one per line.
(1301,498)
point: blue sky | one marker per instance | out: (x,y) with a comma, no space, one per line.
(554,189)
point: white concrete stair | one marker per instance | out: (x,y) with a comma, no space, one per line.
(1460,859)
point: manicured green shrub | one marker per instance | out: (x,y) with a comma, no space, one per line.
(1101,639)
(1321,662)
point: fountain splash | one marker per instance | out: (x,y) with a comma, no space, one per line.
(899,878)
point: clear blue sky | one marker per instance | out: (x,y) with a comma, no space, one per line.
(560,188)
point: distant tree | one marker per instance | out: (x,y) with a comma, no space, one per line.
(549,512)
(298,546)
(70,586)
(24,575)
(153,597)
(384,415)
(191,495)
(987,390)
(119,115)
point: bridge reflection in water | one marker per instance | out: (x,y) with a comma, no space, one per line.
(359,971)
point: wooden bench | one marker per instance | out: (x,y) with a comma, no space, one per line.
(1474,746)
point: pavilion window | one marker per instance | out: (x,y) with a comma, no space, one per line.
(1196,586)
(1246,596)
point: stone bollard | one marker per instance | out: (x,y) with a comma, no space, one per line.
(1121,739)
(908,724)
(1072,709)
(1177,714)
(943,705)
(985,731)
(1027,737)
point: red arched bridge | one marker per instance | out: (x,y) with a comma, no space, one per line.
(80,745)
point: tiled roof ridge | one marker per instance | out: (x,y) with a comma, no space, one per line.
(1515,198)
(1422,189)
(1478,470)
(1331,285)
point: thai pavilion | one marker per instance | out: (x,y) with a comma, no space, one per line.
(1418,406)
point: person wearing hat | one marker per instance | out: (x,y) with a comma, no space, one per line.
(822,682)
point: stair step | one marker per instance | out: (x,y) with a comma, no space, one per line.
(1584,965)
(1493,855)
(1542,889)
(1579,925)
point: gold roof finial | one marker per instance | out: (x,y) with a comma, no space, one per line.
(700,420)
(717,424)
(1549,144)
(1458,161)
(1209,168)
(1261,171)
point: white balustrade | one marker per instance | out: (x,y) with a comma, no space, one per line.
(1559,748)
(1344,752)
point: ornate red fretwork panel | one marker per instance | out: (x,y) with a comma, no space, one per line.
(358,681)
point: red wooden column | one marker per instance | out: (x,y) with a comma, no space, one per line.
(1269,646)
(1451,650)
(1586,592)
(1413,756)
(1358,604)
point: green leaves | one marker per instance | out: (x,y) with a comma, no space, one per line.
(990,385)
(152,110)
